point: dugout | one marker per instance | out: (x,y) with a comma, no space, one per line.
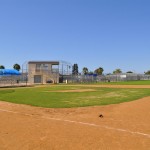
(9,77)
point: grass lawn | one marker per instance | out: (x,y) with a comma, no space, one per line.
(50,96)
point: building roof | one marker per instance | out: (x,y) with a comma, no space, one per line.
(44,62)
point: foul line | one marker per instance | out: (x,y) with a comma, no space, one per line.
(83,123)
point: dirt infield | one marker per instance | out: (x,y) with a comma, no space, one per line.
(124,126)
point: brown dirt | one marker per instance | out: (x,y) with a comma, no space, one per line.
(124,126)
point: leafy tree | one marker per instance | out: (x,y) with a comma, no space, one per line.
(2,67)
(108,74)
(85,70)
(148,72)
(91,72)
(99,71)
(75,70)
(129,72)
(117,71)
(16,67)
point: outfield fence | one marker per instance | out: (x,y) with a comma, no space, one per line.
(22,80)
(104,78)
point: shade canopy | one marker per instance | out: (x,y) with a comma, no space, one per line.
(7,72)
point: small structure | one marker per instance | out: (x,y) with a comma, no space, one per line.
(9,72)
(42,72)
(9,77)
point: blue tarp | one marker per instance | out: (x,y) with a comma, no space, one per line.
(8,72)
(94,75)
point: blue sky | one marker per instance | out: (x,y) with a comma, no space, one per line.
(92,33)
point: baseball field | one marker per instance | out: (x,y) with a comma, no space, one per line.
(107,116)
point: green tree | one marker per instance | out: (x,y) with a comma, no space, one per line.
(108,74)
(148,72)
(2,67)
(99,71)
(75,70)
(16,67)
(91,72)
(117,71)
(85,70)
(129,72)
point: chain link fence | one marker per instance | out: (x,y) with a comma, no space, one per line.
(103,78)
(9,81)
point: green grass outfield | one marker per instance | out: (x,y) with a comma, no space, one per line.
(49,96)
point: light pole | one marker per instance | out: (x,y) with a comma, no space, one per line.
(25,63)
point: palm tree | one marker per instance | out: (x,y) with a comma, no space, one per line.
(85,70)
(2,67)
(117,71)
(99,71)
(16,67)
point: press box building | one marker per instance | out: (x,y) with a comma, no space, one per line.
(42,72)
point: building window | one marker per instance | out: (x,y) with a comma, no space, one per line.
(41,67)
(44,66)
(55,68)
(38,67)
